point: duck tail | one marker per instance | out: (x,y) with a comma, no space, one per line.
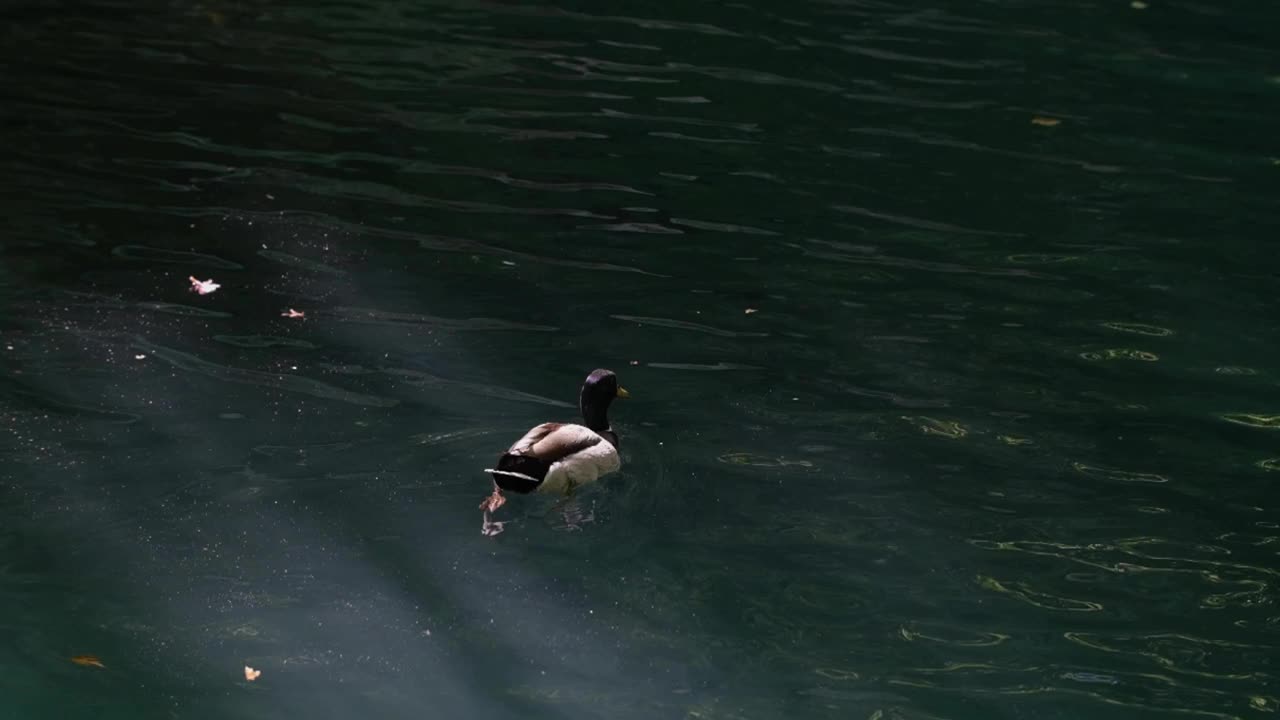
(519,473)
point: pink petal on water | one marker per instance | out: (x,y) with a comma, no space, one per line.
(203,287)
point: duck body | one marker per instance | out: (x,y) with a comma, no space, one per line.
(557,457)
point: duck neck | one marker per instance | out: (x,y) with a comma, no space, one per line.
(595,415)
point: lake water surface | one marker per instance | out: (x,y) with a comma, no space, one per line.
(950,331)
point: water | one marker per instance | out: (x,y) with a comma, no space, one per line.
(948,333)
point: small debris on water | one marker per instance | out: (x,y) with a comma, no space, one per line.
(203,287)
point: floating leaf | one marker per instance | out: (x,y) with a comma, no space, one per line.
(1138,5)
(1045,121)
(293,314)
(750,311)
(934,426)
(746,458)
(250,674)
(1269,422)
(88,661)
(1011,440)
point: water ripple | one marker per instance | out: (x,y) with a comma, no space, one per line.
(924,265)
(143,253)
(684,325)
(372,316)
(264,341)
(423,379)
(1040,599)
(452,244)
(441,184)
(301,263)
(280,381)
(918,223)
(702,367)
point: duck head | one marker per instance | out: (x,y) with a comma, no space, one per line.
(598,392)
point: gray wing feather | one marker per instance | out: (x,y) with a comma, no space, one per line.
(565,441)
(554,441)
(536,433)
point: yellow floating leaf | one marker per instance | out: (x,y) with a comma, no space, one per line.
(1268,422)
(1011,440)
(746,458)
(1045,121)
(1138,5)
(250,674)
(88,661)
(934,426)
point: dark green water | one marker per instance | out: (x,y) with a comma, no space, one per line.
(1000,439)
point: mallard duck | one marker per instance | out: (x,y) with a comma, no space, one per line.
(558,457)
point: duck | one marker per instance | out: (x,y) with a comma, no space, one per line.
(556,457)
